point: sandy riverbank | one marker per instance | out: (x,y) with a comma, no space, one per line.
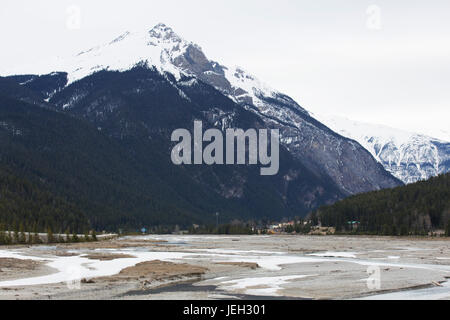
(218,267)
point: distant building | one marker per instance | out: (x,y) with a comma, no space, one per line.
(353,225)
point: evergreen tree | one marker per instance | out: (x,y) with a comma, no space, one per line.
(61,238)
(2,234)
(22,236)
(50,237)
(94,236)
(9,238)
(36,238)
(16,236)
(2,237)
(86,236)
(75,238)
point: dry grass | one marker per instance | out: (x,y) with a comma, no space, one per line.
(16,265)
(156,270)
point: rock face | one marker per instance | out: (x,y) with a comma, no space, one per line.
(408,156)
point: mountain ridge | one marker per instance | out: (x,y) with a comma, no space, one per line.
(164,50)
(407,155)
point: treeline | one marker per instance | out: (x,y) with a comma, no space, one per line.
(22,237)
(416,209)
(237,229)
(300,227)
(26,207)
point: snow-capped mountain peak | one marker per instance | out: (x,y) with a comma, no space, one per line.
(408,156)
(164,33)
(157,47)
(162,48)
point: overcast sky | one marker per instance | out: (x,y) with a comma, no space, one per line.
(379,61)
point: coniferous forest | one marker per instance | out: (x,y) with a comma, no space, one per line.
(26,207)
(416,209)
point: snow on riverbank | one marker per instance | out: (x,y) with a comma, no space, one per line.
(78,267)
(260,286)
(433,293)
(281,271)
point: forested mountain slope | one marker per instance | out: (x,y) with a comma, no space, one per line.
(416,208)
